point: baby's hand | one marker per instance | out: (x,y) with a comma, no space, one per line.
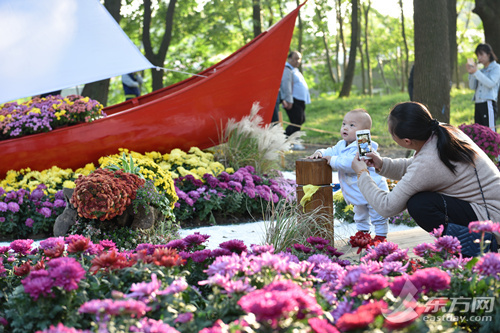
(315,155)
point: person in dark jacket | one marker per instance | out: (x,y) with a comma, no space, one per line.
(132,83)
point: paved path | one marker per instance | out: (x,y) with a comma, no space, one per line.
(405,239)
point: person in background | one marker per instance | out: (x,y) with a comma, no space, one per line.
(446,179)
(340,157)
(132,83)
(294,94)
(485,82)
(52,93)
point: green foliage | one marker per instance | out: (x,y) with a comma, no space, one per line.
(127,165)
(326,114)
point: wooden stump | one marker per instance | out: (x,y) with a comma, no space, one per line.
(316,172)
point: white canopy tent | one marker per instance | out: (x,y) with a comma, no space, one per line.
(48,45)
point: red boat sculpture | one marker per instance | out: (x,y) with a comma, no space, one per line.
(187,114)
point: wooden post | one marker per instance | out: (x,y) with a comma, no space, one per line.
(316,172)
(280,119)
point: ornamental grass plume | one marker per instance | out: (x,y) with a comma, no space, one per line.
(250,142)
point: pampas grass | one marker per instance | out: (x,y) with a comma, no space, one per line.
(251,142)
(286,224)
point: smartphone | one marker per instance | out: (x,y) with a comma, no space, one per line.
(470,61)
(364,141)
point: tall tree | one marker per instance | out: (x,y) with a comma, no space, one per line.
(340,21)
(256,18)
(406,68)
(158,58)
(366,9)
(351,66)
(432,56)
(321,21)
(98,90)
(452,35)
(301,29)
(489,12)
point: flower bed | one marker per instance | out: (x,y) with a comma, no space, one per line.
(45,114)
(204,191)
(73,285)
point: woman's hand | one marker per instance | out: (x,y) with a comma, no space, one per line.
(358,164)
(375,161)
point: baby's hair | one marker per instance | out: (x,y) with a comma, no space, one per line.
(366,116)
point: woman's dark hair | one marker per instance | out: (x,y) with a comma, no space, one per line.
(412,120)
(486,48)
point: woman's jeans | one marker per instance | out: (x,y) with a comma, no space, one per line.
(428,209)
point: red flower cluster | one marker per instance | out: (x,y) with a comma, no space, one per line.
(105,194)
(362,240)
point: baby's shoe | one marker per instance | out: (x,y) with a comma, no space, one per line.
(379,239)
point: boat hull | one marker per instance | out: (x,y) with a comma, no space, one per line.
(188,114)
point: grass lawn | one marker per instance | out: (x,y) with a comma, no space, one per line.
(326,113)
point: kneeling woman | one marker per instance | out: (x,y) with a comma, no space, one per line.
(448,177)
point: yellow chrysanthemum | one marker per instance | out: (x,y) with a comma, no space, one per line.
(338,196)
(69,184)
(348,208)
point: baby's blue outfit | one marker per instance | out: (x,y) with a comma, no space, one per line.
(342,157)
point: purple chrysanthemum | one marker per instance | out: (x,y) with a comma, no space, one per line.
(449,244)
(489,264)
(234,245)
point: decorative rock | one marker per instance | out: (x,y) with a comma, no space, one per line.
(68,216)
(144,219)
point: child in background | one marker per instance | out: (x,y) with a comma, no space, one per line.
(340,158)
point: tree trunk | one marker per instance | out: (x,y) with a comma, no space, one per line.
(341,34)
(157,59)
(432,56)
(489,12)
(301,31)
(349,75)
(325,44)
(406,68)
(256,18)
(363,74)
(381,68)
(99,90)
(367,53)
(460,40)
(452,36)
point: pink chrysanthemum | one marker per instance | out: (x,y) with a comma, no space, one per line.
(278,300)
(60,328)
(148,325)
(484,226)
(369,283)
(38,283)
(21,246)
(321,326)
(66,272)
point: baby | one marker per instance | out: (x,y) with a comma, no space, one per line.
(340,158)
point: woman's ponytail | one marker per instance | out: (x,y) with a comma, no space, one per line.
(412,120)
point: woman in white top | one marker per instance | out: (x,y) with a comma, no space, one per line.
(485,82)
